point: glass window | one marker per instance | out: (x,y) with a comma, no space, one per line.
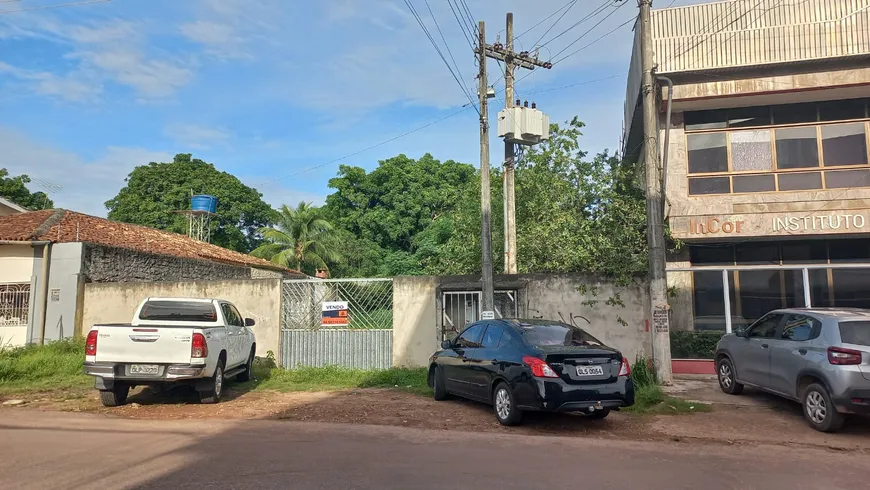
(470,338)
(492,336)
(851,288)
(549,333)
(796,148)
(760,292)
(706,120)
(842,110)
(849,250)
(804,252)
(750,150)
(800,181)
(710,301)
(179,311)
(746,117)
(757,253)
(843,179)
(857,333)
(711,255)
(794,288)
(799,327)
(707,153)
(794,113)
(755,183)
(766,327)
(709,185)
(820,293)
(239,318)
(844,144)
(231,316)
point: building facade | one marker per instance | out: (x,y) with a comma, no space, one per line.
(767,173)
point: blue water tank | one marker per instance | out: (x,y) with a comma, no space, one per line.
(203,203)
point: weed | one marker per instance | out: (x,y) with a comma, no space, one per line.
(336,378)
(55,365)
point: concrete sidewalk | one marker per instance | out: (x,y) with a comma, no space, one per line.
(704,388)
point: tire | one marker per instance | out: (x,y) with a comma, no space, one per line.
(248,373)
(439,390)
(819,409)
(725,373)
(598,414)
(213,394)
(505,407)
(114,397)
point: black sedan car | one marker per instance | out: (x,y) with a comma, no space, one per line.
(540,365)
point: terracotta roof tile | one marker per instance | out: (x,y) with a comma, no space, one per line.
(69,226)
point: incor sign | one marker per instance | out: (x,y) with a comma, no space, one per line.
(714,225)
(829,222)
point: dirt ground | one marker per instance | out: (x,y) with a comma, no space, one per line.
(750,419)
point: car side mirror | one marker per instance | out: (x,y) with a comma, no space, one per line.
(446,344)
(741,332)
(249,322)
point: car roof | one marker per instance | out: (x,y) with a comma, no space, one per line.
(833,313)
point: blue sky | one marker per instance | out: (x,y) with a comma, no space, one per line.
(266,89)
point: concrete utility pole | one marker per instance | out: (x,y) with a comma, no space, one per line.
(510,210)
(658,287)
(511,61)
(487,307)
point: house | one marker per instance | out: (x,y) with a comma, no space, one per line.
(8,207)
(767,177)
(47,256)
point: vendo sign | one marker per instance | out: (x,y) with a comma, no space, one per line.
(335,314)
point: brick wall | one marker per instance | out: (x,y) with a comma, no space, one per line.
(107,264)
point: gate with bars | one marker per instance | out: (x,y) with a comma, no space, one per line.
(365,342)
(461,308)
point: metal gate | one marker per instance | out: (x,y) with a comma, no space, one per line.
(365,341)
(461,308)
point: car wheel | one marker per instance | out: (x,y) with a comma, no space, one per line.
(727,381)
(213,394)
(820,411)
(598,414)
(248,373)
(505,407)
(439,389)
(114,397)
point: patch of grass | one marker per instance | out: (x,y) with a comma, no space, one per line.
(54,366)
(338,378)
(649,397)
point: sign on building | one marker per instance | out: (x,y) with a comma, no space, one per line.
(335,314)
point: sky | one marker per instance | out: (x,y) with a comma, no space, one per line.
(280,92)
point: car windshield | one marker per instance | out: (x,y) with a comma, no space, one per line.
(552,334)
(178,311)
(857,333)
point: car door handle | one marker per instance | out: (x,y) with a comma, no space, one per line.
(802,351)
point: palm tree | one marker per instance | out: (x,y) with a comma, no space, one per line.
(300,237)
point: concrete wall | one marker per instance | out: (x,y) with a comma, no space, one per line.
(417,304)
(258,299)
(16,263)
(63,290)
(107,264)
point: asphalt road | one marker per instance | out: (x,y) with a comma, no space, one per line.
(57,450)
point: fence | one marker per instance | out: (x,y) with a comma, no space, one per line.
(345,322)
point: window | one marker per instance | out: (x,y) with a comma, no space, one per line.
(796,148)
(492,336)
(716,119)
(842,110)
(747,117)
(857,333)
(844,144)
(750,150)
(232,316)
(800,328)
(795,113)
(178,311)
(707,153)
(766,327)
(549,334)
(754,183)
(800,181)
(470,338)
(710,185)
(847,178)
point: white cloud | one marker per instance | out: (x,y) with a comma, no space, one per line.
(86,185)
(74,88)
(194,136)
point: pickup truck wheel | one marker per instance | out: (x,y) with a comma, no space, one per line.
(248,373)
(213,394)
(114,397)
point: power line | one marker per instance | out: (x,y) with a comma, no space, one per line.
(591,29)
(620,26)
(446,45)
(554,23)
(462,25)
(595,12)
(47,7)
(470,17)
(545,19)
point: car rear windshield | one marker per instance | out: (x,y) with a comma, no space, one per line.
(551,334)
(855,333)
(178,311)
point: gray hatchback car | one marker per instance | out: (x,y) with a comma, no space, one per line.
(819,357)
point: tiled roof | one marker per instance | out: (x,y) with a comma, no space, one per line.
(62,226)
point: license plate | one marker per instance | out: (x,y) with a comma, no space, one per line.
(143,369)
(590,371)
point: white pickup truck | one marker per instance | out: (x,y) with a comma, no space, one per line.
(171,341)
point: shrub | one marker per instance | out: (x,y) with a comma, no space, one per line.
(694,345)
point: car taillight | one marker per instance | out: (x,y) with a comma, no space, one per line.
(540,369)
(841,356)
(625,368)
(198,346)
(91,344)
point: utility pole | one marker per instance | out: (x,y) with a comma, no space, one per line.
(487,307)
(511,61)
(510,218)
(658,287)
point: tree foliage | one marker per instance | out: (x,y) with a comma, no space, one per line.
(15,189)
(300,238)
(155,192)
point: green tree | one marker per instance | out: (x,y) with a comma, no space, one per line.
(300,238)
(15,189)
(155,192)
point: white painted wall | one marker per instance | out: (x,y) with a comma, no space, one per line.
(16,263)
(12,336)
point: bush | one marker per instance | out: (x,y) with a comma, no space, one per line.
(694,345)
(643,373)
